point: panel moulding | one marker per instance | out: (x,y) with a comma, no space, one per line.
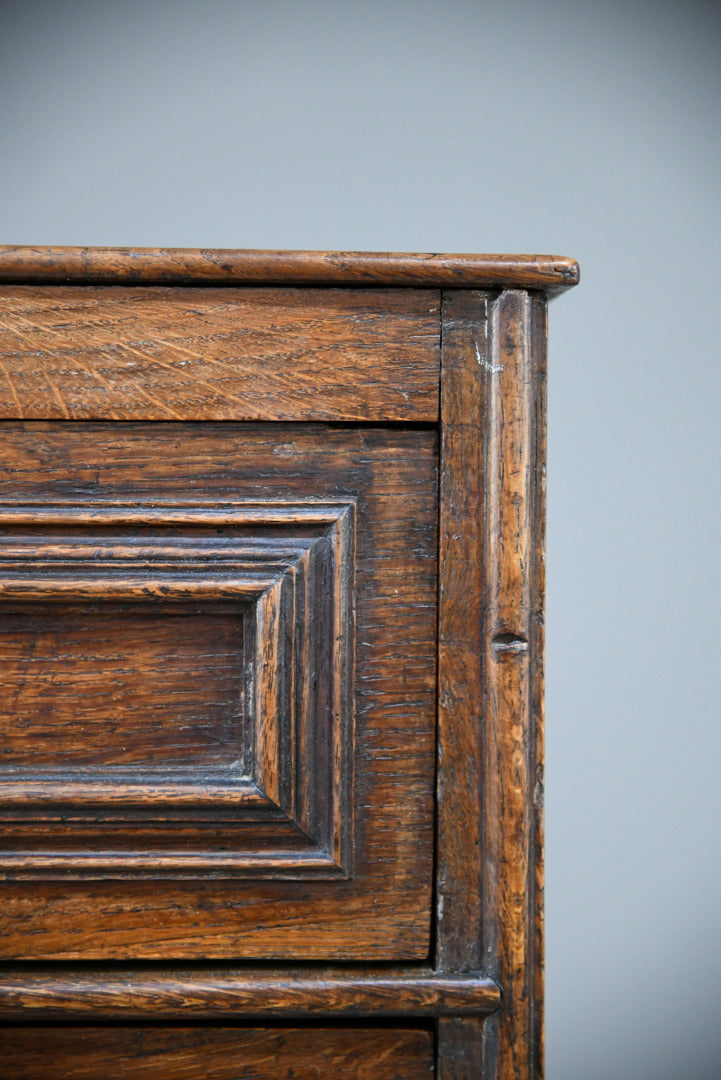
(263,728)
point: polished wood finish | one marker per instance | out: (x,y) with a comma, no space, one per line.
(367,593)
(459,895)
(218,354)
(302,480)
(216,1053)
(86,654)
(283,993)
(513,746)
(491,591)
(460,628)
(111,612)
(548,273)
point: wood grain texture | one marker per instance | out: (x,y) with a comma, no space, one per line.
(489,896)
(459,1048)
(537,642)
(460,633)
(184,265)
(449,615)
(117,353)
(280,993)
(460,853)
(383,911)
(513,747)
(100,698)
(90,656)
(216,1053)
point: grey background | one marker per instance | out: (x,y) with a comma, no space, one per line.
(568,127)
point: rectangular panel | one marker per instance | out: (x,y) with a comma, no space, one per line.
(120,353)
(133,685)
(327,852)
(272,617)
(216,1053)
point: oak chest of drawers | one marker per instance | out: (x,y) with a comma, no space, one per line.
(271,589)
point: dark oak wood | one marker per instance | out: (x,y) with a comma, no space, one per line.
(549,273)
(513,748)
(491,698)
(86,654)
(382,909)
(244,647)
(88,353)
(282,993)
(216,1053)
(460,1047)
(96,715)
(460,630)
(459,895)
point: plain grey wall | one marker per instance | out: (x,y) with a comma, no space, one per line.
(586,129)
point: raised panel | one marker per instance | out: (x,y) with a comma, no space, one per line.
(308,844)
(184,666)
(90,655)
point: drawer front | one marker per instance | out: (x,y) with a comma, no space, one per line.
(216,1053)
(218,654)
(122,353)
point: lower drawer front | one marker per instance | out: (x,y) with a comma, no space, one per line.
(216,1053)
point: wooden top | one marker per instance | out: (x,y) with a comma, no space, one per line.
(94,265)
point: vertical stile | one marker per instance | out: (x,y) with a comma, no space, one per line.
(489,885)
(460,664)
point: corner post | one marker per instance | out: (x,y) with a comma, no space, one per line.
(490,712)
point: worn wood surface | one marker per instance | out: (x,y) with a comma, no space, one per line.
(222,993)
(459,1047)
(538,332)
(460,633)
(490,673)
(513,746)
(216,1053)
(72,698)
(73,353)
(182,265)
(112,717)
(459,862)
(356,351)
(383,910)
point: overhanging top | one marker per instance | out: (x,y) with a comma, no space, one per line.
(216,266)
